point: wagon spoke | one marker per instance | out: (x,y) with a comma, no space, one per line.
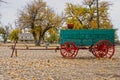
(74,53)
(103,48)
(110,51)
(63,50)
(64,53)
(69,50)
(99,50)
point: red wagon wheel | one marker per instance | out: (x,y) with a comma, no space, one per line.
(103,48)
(69,50)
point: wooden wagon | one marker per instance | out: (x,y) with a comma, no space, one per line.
(99,41)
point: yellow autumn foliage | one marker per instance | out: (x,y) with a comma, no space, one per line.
(85,17)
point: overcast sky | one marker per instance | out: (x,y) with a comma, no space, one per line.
(10,10)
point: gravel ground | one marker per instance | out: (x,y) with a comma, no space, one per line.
(49,65)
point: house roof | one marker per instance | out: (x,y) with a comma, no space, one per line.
(25,36)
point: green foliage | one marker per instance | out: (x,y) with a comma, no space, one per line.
(3,34)
(52,36)
(14,35)
(4,31)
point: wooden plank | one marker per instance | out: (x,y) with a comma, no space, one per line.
(36,49)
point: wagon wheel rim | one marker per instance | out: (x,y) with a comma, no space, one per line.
(63,50)
(69,50)
(74,50)
(100,49)
(111,49)
(103,48)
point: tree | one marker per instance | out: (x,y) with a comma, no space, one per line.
(4,34)
(14,35)
(5,31)
(39,18)
(52,35)
(85,16)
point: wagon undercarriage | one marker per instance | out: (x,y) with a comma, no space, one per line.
(101,49)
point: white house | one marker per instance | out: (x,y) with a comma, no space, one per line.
(25,35)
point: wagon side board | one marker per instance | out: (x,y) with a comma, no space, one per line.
(86,37)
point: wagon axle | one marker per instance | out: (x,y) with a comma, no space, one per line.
(101,49)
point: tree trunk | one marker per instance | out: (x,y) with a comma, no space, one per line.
(4,38)
(37,43)
(41,38)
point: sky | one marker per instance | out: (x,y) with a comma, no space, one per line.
(10,10)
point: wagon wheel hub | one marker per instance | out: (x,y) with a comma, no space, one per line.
(103,48)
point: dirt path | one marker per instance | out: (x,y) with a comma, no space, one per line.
(49,65)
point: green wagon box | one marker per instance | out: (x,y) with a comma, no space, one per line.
(86,37)
(99,41)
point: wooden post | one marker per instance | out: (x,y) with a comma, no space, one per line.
(16,52)
(13,48)
(97,5)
